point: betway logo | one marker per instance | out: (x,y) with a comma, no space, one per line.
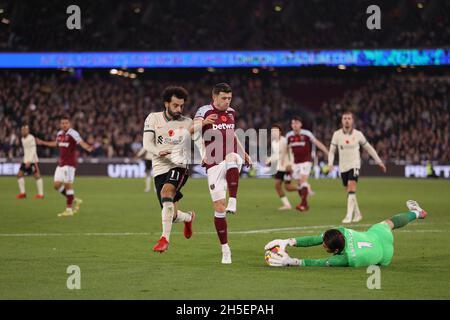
(223,126)
(63,144)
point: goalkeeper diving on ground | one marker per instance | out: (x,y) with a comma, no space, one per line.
(350,248)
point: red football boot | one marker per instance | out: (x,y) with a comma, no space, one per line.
(188,226)
(161,245)
(39,196)
(21,196)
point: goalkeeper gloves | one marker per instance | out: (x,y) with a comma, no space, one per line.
(283,260)
(280,243)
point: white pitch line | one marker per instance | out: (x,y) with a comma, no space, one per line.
(305,229)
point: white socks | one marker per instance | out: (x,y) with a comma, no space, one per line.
(40,186)
(357,212)
(285,201)
(183,217)
(148,183)
(351,203)
(21,182)
(167,217)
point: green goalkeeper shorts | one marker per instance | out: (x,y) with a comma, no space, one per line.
(383,233)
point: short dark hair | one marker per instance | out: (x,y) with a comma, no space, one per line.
(279,127)
(64,117)
(334,240)
(347,112)
(170,91)
(221,87)
(296,118)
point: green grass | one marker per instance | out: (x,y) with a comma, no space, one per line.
(36,246)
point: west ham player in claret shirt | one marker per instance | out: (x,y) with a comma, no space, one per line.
(67,140)
(300,143)
(215,124)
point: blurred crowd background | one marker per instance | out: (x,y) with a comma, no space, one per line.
(221,25)
(404,112)
(404,115)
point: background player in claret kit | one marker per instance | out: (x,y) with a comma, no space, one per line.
(279,155)
(348,141)
(29,164)
(300,143)
(67,140)
(166,134)
(350,248)
(222,161)
(148,168)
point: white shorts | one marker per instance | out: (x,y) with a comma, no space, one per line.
(217,182)
(65,174)
(301,169)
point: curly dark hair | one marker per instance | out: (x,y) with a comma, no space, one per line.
(179,92)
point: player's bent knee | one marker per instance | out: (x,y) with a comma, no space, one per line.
(219,205)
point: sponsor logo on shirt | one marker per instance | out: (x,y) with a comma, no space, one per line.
(223,126)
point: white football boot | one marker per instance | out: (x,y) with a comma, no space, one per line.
(226,254)
(414,207)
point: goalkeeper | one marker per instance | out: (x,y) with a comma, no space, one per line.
(349,248)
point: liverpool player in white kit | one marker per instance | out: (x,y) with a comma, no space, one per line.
(29,165)
(348,142)
(215,124)
(280,156)
(66,141)
(166,135)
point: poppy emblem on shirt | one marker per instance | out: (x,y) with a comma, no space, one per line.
(347,142)
(171,133)
(224,118)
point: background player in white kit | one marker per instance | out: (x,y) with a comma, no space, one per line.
(280,156)
(148,167)
(29,165)
(166,134)
(348,141)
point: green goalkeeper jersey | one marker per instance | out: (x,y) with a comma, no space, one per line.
(374,246)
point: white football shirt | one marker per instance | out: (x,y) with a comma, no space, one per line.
(29,149)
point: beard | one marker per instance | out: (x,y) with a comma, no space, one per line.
(174,115)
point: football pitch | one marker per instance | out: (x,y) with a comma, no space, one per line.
(112,236)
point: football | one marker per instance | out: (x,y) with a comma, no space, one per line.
(271,252)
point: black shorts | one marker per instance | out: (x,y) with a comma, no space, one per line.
(352,174)
(31,170)
(176,177)
(148,165)
(282,175)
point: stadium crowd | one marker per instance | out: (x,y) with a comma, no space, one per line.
(406,117)
(221,25)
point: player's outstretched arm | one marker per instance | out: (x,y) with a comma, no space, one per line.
(307,241)
(331,155)
(51,144)
(372,152)
(333,261)
(321,146)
